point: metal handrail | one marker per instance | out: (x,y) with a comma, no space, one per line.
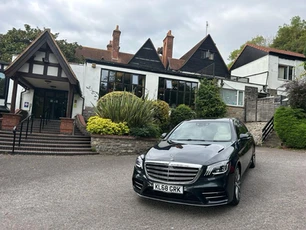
(44,119)
(27,119)
(267,129)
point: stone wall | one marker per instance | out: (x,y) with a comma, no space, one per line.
(120,145)
(265,108)
(236,112)
(88,112)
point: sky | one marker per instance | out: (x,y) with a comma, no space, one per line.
(91,22)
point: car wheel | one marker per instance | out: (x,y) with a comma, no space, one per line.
(237,189)
(253,161)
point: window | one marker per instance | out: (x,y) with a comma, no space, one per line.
(120,81)
(232,97)
(176,92)
(2,85)
(286,72)
(206,54)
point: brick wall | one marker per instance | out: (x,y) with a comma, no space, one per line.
(120,145)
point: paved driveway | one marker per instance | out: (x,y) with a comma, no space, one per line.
(95,192)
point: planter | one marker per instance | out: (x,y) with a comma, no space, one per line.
(121,145)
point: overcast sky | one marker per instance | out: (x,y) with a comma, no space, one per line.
(91,22)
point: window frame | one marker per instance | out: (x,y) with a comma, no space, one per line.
(174,91)
(286,76)
(116,79)
(238,93)
(2,95)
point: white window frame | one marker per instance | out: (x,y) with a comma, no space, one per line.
(284,75)
(238,93)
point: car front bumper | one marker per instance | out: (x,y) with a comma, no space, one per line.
(205,191)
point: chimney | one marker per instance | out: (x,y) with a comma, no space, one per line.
(110,46)
(167,48)
(116,40)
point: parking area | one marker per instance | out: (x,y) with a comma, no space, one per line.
(95,192)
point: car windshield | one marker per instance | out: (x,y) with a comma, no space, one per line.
(202,131)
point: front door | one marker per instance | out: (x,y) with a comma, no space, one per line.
(51,104)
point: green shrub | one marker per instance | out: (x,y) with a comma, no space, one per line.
(209,103)
(181,113)
(162,114)
(98,125)
(150,130)
(290,126)
(125,107)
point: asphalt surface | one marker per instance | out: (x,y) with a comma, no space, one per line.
(95,192)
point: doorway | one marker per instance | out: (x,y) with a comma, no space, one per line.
(51,104)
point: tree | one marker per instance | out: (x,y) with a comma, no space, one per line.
(291,37)
(209,103)
(16,41)
(296,90)
(258,40)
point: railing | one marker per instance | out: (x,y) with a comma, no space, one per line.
(267,129)
(44,119)
(27,120)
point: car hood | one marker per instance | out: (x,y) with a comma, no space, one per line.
(204,154)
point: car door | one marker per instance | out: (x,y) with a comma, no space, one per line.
(244,140)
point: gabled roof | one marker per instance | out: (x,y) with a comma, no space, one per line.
(147,56)
(187,55)
(44,38)
(251,52)
(100,54)
(175,64)
(196,63)
(277,51)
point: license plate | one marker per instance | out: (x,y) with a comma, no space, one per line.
(168,188)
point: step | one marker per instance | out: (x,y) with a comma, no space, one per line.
(67,153)
(48,144)
(41,135)
(46,149)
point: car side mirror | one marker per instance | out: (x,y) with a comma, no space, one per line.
(163,135)
(244,136)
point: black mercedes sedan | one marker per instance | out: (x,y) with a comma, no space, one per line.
(200,162)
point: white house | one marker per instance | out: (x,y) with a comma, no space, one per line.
(42,81)
(267,66)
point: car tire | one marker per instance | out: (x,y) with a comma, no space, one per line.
(253,161)
(237,188)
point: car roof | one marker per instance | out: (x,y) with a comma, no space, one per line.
(212,119)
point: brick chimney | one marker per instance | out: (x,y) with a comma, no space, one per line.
(110,46)
(167,48)
(116,41)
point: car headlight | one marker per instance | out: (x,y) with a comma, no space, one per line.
(139,161)
(217,168)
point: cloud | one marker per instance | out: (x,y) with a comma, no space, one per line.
(90,23)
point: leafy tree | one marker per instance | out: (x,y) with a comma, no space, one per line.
(16,41)
(258,40)
(296,90)
(291,37)
(209,103)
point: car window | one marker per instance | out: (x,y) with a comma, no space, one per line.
(202,131)
(240,127)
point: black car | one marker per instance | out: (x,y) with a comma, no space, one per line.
(200,162)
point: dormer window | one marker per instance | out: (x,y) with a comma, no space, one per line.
(206,54)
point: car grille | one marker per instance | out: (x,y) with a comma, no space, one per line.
(172,172)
